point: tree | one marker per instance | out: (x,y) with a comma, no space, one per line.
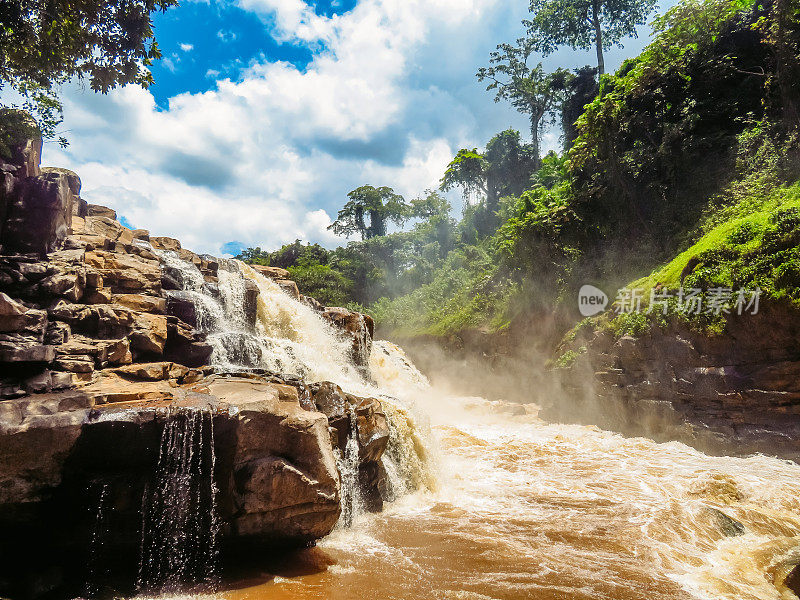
(298,253)
(504,169)
(429,206)
(45,44)
(467,171)
(583,24)
(511,164)
(381,205)
(581,90)
(529,89)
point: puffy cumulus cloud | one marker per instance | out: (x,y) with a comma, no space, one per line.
(292,20)
(269,157)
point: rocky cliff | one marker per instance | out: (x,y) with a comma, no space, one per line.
(735,392)
(107,393)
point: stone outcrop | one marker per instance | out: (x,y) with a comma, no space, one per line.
(364,416)
(100,346)
(738,392)
(360,327)
(276,468)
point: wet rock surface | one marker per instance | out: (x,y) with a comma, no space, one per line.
(276,470)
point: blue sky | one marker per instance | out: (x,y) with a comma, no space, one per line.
(265,113)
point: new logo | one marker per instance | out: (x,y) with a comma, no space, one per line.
(591,300)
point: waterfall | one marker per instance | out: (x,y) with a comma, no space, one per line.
(219,312)
(179,520)
(293,338)
(301,341)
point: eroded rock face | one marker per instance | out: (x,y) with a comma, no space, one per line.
(736,393)
(79,293)
(364,416)
(275,471)
(285,483)
(359,327)
(99,345)
(39,214)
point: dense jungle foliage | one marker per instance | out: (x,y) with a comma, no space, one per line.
(687,156)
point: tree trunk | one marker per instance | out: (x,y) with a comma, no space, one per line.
(537,113)
(598,37)
(535,120)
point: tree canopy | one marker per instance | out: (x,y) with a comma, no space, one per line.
(106,43)
(379,205)
(583,24)
(528,88)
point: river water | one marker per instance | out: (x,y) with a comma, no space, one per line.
(511,507)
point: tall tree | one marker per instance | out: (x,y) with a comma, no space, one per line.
(581,90)
(429,206)
(583,24)
(44,44)
(379,205)
(468,172)
(504,169)
(528,88)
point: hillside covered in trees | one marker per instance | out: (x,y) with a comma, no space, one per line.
(689,152)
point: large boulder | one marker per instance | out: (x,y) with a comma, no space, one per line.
(18,318)
(39,215)
(359,327)
(185,345)
(286,485)
(365,418)
(65,456)
(271,272)
(24,142)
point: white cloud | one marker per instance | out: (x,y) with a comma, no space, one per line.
(270,157)
(187,47)
(226,36)
(169,63)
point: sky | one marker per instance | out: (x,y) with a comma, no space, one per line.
(266,113)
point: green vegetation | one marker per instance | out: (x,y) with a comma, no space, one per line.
(586,24)
(679,169)
(43,45)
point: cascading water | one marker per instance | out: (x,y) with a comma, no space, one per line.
(520,508)
(179,520)
(96,542)
(293,338)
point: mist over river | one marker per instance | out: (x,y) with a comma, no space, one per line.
(524,509)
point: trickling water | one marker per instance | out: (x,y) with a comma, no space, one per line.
(347,463)
(179,520)
(96,542)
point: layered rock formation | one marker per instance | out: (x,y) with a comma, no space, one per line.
(100,349)
(732,393)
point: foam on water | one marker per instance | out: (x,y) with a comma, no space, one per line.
(518,508)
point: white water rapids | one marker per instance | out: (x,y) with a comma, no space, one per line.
(495,503)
